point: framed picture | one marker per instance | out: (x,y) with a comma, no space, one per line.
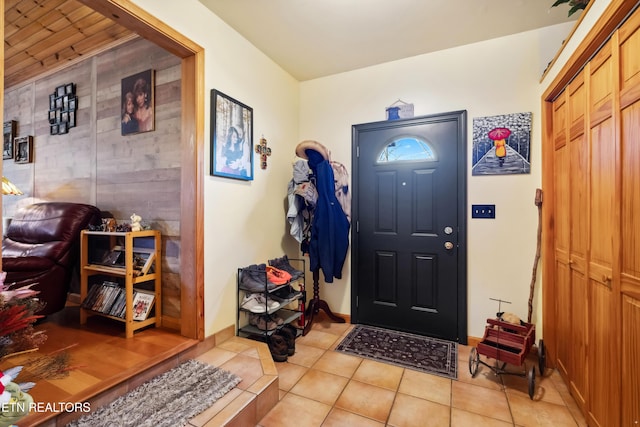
(9,132)
(23,149)
(143,261)
(137,95)
(142,303)
(63,104)
(231,137)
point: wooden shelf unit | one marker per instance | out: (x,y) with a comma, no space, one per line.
(128,273)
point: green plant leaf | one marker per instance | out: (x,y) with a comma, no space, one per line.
(575,8)
(559,2)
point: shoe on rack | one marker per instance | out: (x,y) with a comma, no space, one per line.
(255,303)
(254,278)
(285,293)
(284,264)
(264,323)
(278,348)
(277,276)
(289,333)
(268,302)
(279,320)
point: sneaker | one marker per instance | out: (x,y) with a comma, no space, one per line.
(277,276)
(278,347)
(285,293)
(268,302)
(264,323)
(254,303)
(283,264)
(254,278)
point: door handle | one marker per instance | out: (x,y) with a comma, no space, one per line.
(448,245)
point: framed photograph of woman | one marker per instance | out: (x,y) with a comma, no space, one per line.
(137,103)
(231,137)
(23,149)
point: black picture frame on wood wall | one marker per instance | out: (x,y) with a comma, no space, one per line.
(9,133)
(63,104)
(231,137)
(23,149)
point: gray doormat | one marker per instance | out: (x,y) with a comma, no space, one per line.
(170,399)
(430,355)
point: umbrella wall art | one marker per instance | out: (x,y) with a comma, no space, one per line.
(502,144)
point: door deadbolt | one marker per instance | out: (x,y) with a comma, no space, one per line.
(448,230)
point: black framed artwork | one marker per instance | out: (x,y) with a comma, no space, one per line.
(9,133)
(231,137)
(23,149)
(63,104)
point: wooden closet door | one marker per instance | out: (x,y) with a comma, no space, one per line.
(579,237)
(603,352)
(561,236)
(629,39)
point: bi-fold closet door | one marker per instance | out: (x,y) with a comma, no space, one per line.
(595,140)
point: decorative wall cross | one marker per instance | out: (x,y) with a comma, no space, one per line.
(264,151)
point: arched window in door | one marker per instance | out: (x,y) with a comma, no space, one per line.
(407,148)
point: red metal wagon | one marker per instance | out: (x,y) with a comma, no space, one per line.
(508,343)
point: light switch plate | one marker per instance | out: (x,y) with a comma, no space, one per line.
(483,211)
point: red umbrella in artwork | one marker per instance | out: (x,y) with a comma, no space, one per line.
(498,135)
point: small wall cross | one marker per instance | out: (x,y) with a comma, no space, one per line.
(264,151)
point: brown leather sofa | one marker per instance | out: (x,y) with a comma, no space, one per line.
(42,245)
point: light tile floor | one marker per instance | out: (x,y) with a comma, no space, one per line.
(321,387)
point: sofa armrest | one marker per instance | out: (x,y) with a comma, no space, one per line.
(26,263)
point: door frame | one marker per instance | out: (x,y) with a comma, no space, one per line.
(461,118)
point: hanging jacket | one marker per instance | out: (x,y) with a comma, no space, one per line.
(330,226)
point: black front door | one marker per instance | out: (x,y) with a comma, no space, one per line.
(408,239)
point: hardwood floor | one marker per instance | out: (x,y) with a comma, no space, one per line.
(101,360)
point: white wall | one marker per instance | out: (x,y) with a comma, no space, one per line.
(494,77)
(244,220)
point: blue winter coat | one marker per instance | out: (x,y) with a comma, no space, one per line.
(330,226)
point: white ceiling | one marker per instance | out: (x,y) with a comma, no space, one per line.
(316,38)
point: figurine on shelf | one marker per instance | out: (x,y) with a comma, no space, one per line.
(135,222)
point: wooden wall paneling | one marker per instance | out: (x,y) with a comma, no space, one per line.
(629,36)
(579,213)
(94,163)
(141,173)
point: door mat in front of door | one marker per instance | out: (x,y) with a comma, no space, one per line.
(426,354)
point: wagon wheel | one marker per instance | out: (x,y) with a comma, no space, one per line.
(532,381)
(474,360)
(542,357)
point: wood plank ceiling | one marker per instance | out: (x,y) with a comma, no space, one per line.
(42,36)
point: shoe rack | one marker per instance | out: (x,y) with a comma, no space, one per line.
(290,309)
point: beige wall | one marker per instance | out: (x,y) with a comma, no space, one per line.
(244,220)
(500,251)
